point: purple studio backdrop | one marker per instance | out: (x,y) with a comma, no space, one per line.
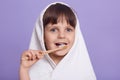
(100,25)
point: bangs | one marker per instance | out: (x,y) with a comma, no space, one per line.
(56,11)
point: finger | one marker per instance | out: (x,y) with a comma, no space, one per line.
(35,55)
(39,54)
(26,55)
(29,55)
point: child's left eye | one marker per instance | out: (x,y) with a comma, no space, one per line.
(69,29)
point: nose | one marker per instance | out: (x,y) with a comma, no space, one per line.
(61,34)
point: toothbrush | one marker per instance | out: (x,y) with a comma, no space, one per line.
(53,50)
(48,51)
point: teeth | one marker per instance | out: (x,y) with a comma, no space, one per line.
(60,44)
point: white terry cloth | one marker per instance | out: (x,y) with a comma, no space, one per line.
(75,65)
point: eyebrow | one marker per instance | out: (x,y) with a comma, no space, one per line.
(55,25)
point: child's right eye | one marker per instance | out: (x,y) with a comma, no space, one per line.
(53,30)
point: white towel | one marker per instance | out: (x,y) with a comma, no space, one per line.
(75,65)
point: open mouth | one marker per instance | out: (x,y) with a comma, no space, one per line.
(59,44)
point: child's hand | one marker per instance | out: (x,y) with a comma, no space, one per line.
(30,57)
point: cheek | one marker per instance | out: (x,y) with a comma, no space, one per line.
(49,38)
(47,41)
(46,38)
(72,38)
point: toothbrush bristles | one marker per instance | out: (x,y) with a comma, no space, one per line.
(64,47)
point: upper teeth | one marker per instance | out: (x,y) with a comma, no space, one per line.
(61,45)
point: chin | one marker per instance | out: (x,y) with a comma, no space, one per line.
(60,53)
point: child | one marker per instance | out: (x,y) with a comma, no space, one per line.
(57,27)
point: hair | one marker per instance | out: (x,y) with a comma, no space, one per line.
(56,11)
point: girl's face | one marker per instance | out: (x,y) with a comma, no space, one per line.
(59,34)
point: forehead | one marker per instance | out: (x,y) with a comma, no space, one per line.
(59,25)
(61,19)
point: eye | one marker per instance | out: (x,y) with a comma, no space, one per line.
(53,30)
(69,30)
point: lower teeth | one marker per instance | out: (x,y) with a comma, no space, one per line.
(61,45)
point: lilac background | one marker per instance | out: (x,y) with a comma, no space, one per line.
(100,24)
